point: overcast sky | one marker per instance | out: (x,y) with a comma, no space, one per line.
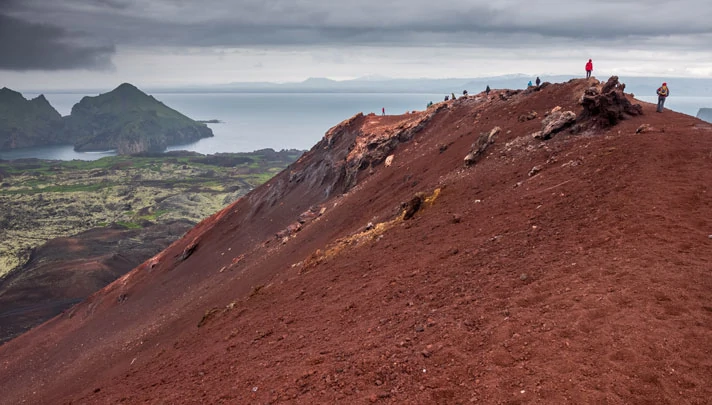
(60,44)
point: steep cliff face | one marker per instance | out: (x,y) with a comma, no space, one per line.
(380,268)
(25,123)
(130,121)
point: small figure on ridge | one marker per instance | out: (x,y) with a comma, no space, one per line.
(589,69)
(538,82)
(383,111)
(663,92)
(487,90)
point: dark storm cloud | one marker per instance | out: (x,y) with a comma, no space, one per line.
(30,46)
(246,23)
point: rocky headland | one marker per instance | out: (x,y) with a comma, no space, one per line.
(125,119)
(26,123)
(130,121)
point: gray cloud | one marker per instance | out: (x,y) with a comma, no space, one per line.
(32,46)
(648,24)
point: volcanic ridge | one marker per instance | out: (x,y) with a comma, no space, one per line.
(551,245)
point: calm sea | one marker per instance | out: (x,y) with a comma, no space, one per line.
(248,121)
(278,121)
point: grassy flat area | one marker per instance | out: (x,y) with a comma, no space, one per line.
(42,200)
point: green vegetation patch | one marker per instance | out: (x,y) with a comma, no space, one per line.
(43,200)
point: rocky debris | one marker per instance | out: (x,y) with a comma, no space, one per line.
(644,128)
(311,214)
(528,116)
(609,105)
(480,146)
(553,110)
(374,143)
(209,314)
(534,171)
(389,161)
(555,122)
(189,250)
(289,230)
(413,205)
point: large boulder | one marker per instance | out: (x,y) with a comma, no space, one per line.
(609,105)
(555,122)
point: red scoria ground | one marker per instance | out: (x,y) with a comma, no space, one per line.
(585,281)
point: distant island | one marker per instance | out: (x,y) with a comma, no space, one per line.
(25,123)
(125,119)
(213,121)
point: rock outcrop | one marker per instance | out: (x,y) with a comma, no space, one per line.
(609,105)
(555,122)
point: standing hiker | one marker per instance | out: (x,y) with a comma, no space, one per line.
(538,82)
(487,90)
(663,92)
(589,68)
(453,95)
(383,111)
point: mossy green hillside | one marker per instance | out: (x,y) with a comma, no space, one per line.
(43,200)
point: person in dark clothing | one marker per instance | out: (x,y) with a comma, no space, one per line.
(487,90)
(383,111)
(589,69)
(538,82)
(464,93)
(447,98)
(663,92)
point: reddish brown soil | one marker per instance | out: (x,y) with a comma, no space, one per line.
(589,282)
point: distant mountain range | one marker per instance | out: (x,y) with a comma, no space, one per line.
(637,85)
(125,119)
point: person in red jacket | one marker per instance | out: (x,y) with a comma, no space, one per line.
(663,92)
(589,68)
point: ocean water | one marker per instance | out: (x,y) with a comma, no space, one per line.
(251,121)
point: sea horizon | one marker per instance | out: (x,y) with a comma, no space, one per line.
(254,121)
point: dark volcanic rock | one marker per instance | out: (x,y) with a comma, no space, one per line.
(130,121)
(609,105)
(64,271)
(25,123)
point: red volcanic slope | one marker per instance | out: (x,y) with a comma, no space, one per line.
(587,280)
